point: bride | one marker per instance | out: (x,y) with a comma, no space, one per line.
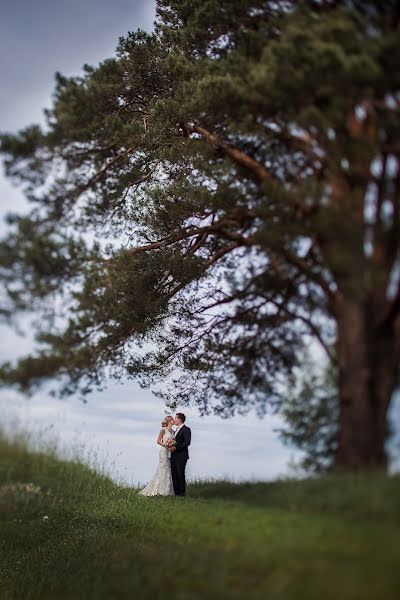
(161,483)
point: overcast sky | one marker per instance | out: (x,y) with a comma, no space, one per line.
(121,424)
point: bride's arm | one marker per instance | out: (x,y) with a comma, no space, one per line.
(160,437)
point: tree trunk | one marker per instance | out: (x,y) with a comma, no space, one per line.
(367,371)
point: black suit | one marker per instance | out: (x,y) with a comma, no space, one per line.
(179,459)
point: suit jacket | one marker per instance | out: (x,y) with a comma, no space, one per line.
(182,439)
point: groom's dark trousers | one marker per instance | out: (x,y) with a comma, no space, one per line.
(179,459)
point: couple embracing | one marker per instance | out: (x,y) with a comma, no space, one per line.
(169,478)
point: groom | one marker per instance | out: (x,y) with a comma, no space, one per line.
(180,454)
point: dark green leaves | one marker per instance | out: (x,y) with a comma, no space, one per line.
(221,165)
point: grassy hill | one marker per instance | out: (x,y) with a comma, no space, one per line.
(67,531)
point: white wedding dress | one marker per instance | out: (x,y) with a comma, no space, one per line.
(161,484)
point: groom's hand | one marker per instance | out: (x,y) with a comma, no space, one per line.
(172,448)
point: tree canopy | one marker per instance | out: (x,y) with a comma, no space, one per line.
(204,201)
(311,415)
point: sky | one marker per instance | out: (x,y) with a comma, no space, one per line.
(118,427)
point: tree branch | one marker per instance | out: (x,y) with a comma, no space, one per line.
(313,328)
(238,156)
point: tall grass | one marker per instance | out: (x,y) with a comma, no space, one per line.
(68,531)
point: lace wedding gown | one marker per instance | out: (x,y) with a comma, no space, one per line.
(161,484)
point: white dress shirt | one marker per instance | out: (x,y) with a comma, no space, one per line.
(180,427)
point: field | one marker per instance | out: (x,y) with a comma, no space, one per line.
(68,531)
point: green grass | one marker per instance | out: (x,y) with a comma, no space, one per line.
(335,537)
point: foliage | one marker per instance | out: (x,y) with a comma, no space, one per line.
(311,412)
(199,199)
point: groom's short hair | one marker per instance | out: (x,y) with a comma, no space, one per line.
(181,416)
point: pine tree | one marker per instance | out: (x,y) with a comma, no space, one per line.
(310,415)
(210,195)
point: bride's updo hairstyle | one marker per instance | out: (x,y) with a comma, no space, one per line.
(166,420)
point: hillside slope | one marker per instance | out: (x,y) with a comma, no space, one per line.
(67,531)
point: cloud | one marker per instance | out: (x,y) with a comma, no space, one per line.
(123,423)
(39,38)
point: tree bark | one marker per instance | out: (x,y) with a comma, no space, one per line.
(367,365)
